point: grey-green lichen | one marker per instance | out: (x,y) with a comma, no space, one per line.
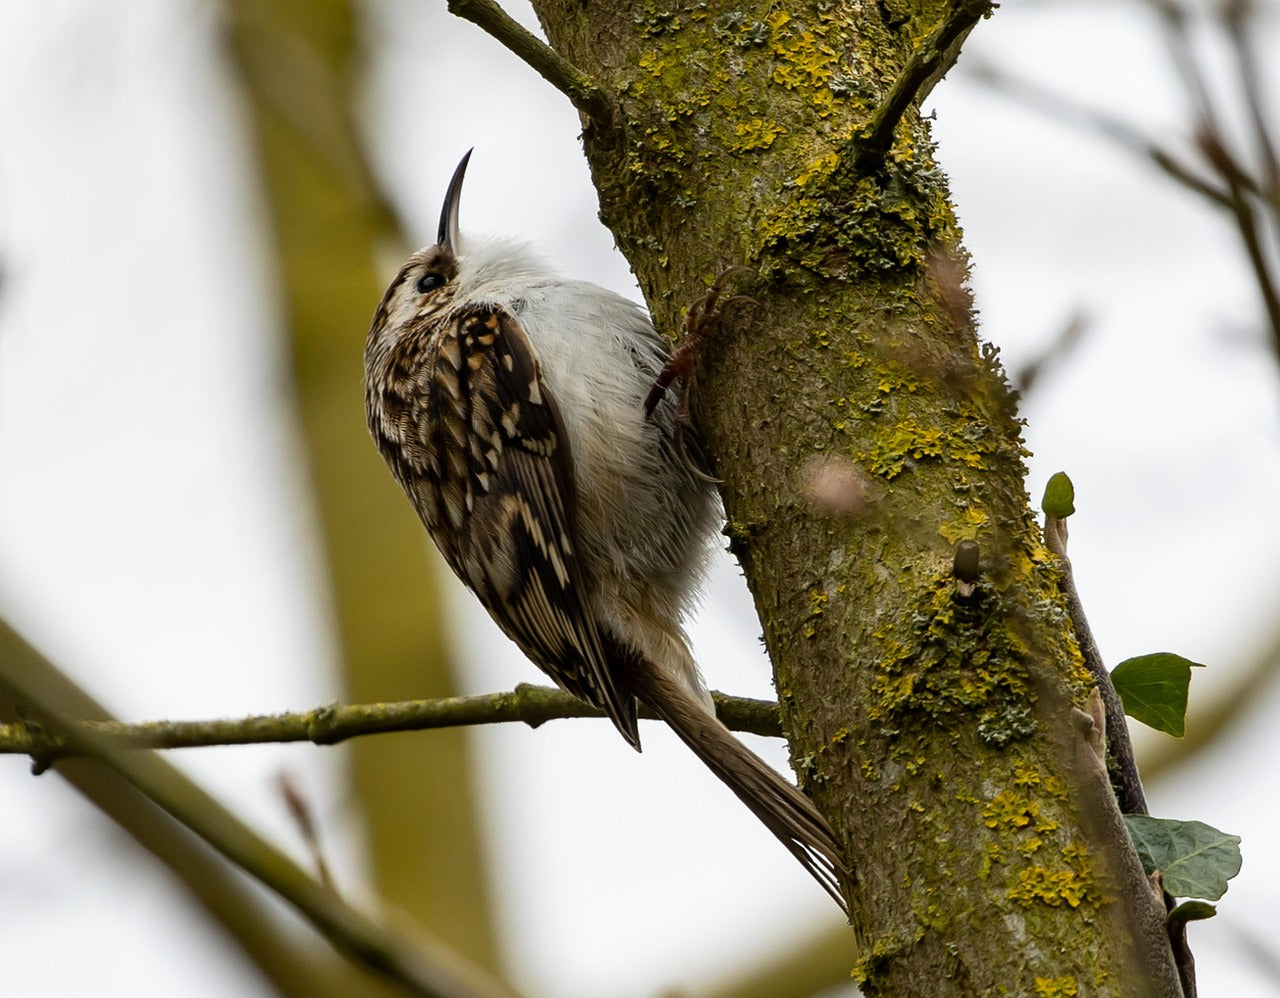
(838,224)
(766,80)
(963,660)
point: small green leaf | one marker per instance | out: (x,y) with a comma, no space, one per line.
(1192,911)
(1194,860)
(1153,689)
(1059,496)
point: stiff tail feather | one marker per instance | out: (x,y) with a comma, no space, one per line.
(782,808)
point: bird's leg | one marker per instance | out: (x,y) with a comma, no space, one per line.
(701,322)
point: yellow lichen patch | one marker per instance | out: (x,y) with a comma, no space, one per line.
(965,660)
(1056,987)
(907,440)
(1051,887)
(966,442)
(652,63)
(965,524)
(1029,846)
(803,62)
(818,600)
(821,167)
(1025,775)
(756,133)
(1011,810)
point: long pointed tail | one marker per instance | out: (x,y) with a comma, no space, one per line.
(782,808)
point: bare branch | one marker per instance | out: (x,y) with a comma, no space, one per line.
(1247,220)
(581,90)
(1242,187)
(333,723)
(1066,340)
(1115,129)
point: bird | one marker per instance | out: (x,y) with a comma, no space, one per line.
(519,410)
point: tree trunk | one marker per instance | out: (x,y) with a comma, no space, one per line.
(939,732)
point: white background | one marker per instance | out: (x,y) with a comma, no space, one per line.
(156,538)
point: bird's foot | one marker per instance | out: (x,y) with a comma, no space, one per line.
(701,322)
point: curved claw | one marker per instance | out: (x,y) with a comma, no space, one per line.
(736,299)
(691,465)
(700,323)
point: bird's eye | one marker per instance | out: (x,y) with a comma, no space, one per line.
(429,282)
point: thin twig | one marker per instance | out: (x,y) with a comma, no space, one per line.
(581,90)
(1237,15)
(1241,186)
(333,723)
(1124,769)
(1066,340)
(928,64)
(1247,223)
(300,811)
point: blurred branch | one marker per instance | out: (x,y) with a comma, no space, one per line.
(422,966)
(1248,204)
(1068,337)
(1236,15)
(1223,178)
(815,966)
(1208,719)
(298,66)
(581,90)
(293,963)
(1120,132)
(330,724)
(1258,947)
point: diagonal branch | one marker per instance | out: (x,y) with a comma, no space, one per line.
(1111,127)
(1124,777)
(1253,201)
(581,90)
(927,65)
(333,723)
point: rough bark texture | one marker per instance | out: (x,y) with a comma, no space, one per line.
(936,731)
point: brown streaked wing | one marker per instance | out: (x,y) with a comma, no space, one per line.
(506,498)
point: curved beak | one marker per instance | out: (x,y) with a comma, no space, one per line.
(448,235)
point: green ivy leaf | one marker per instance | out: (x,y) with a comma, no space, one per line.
(1192,911)
(1059,496)
(1194,860)
(1154,689)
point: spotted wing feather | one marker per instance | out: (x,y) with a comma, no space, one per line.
(493,482)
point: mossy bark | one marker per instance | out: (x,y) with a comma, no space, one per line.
(934,729)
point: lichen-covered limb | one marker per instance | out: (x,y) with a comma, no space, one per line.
(581,90)
(327,725)
(927,65)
